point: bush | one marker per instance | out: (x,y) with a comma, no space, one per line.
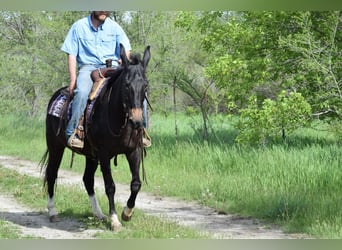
(273,118)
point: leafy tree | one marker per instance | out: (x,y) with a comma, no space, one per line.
(32,64)
(189,75)
(318,71)
(263,53)
(177,62)
(259,125)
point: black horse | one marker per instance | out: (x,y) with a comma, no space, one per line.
(114,126)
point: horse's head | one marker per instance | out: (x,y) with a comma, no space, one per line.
(134,86)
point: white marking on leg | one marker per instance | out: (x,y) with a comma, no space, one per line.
(51,207)
(116,225)
(128,211)
(96,208)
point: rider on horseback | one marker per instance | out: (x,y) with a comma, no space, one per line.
(89,43)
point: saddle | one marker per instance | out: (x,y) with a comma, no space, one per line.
(98,76)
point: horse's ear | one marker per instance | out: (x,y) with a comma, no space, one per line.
(147,56)
(123,56)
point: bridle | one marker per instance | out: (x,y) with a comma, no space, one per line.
(126,112)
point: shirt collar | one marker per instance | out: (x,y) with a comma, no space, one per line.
(92,26)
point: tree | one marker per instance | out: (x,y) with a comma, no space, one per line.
(189,75)
(318,72)
(263,53)
(32,64)
(178,61)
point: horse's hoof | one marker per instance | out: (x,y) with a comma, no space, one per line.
(125,217)
(115,223)
(116,226)
(127,214)
(54,218)
(100,217)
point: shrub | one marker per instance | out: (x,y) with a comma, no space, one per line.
(273,118)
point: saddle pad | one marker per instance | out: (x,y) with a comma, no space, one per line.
(56,107)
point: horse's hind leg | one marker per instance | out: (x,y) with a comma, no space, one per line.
(134,163)
(51,172)
(88,179)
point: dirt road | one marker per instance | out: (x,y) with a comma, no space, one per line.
(191,214)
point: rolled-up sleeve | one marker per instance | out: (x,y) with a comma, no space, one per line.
(124,39)
(70,45)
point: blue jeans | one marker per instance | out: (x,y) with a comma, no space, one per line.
(145,117)
(84,84)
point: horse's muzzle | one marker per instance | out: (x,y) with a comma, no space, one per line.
(136,118)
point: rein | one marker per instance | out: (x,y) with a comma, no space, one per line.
(107,112)
(148,102)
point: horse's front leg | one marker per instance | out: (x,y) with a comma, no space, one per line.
(88,179)
(110,191)
(134,159)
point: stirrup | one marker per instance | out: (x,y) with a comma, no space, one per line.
(146,140)
(75,142)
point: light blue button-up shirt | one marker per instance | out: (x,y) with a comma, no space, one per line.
(91,46)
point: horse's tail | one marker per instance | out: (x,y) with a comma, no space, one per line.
(43,163)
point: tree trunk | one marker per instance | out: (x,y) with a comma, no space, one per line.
(175,107)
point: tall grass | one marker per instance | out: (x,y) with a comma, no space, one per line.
(296,183)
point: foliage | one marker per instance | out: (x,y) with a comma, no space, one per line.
(263,53)
(32,64)
(317,51)
(286,113)
(212,61)
(297,50)
(190,77)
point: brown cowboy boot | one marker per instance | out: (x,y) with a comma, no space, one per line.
(76,140)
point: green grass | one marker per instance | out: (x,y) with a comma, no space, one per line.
(72,201)
(9,231)
(296,184)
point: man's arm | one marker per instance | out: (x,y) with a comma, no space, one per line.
(72,72)
(128,54)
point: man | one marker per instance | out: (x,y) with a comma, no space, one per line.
(89,43)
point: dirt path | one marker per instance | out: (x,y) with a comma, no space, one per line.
(36,224)
(184,213)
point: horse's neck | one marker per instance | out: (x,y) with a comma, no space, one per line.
(114,97)
(116,114)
